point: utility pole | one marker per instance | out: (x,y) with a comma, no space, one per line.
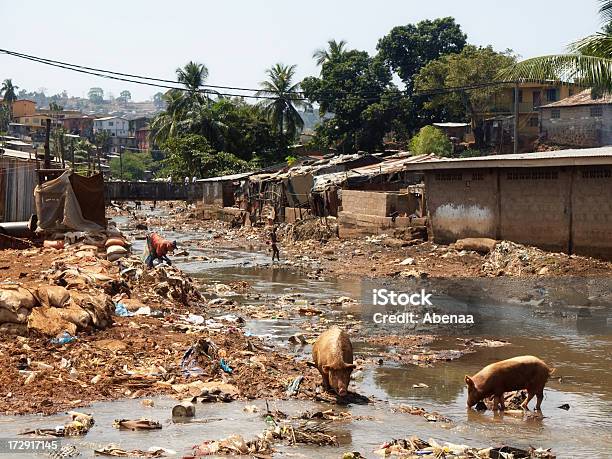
(47,149)
(516,116)
(121,148)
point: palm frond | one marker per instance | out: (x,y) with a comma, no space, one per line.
(570,68)
(605,10)
(599,45)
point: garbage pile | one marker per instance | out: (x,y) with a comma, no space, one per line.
(510,258)
(416,448)
(52,310)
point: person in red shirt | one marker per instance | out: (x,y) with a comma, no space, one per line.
(158,249)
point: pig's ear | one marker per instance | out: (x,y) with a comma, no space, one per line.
(469,381)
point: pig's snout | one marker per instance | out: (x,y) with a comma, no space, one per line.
(342,392)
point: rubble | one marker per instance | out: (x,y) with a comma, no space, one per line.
(414,448)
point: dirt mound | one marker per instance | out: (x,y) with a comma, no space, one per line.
(314,228)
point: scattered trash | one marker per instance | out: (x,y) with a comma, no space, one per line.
(294,386)
(122,310)
(565,407)
(420,386)
(225,366)
(138,424)
(184,410)
(65,338)
(251,409)
(416,447)
(114,451)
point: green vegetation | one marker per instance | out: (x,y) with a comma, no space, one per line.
(203,136)
(589,61)
(192,155)
(134,165)
(431,140)
(473,65)
(407,49)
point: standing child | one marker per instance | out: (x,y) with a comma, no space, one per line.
(274,242)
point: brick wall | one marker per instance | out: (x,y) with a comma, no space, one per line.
(576,127)
(377,203)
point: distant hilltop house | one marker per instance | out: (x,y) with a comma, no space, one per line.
(114,125)
(498,125)
(582,120)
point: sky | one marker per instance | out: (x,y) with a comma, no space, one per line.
(238,39)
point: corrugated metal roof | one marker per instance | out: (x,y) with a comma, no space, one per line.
(582,98)
(451,125)
(396,163)
(570,157)
(226,178)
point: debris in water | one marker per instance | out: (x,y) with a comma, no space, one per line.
(138,424)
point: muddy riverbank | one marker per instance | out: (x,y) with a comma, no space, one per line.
(262,320)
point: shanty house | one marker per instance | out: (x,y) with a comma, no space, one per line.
(18,178)
(582,120)
(557,200)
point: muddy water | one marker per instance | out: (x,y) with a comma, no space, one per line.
(580,349)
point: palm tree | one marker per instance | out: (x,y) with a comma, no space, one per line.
(335,50)
(180,104)
(8,92)
(192,76)
(589,61)
(284,97)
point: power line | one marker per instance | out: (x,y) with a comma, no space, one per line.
(145,83)
(126,77)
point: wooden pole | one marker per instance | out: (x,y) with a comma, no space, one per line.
(47,149)
(516,116)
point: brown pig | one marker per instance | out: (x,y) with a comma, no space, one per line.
(518,373)
(332,353)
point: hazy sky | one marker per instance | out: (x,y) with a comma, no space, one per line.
(238,40)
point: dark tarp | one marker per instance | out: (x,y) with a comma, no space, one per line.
(89,192)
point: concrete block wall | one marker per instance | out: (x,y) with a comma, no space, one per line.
(561,209)
(592,211)
(535,207)
(576,126)
(462,203)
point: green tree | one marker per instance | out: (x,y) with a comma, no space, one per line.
(96,95)
(125,96)
(357,89)
(8,92)
(180,104)
(192,155)
(406,49)
(431,140)
(333,51)
(473,65)
(284,100)
(589,61)
(134,165)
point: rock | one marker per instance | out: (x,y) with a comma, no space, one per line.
(414,273)
(49,322)
(113,345)
(477,244)
(407,261)
(543,271)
